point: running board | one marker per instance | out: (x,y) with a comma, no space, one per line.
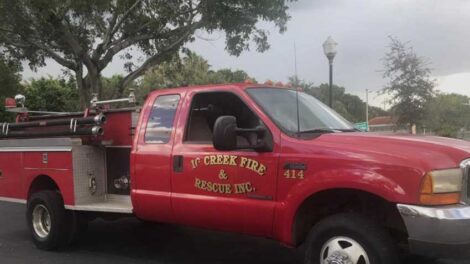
(112,204)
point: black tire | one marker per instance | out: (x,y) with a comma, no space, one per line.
(58,228)
(341,228)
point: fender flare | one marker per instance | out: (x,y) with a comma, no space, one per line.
(357,179)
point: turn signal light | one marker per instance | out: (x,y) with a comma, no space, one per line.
(440,199)
(441,187)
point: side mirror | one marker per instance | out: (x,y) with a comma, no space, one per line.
(226,132)
(225,136)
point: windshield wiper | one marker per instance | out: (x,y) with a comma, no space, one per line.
(327,130)
(349,130)
(318,130)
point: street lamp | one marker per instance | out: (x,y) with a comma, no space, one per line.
(329,48)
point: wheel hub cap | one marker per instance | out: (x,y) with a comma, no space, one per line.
(343,250)
(41,221)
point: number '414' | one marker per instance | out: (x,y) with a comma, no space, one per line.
(294,174)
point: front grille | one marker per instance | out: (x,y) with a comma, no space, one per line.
(467,174)
(465,165)
(467,177)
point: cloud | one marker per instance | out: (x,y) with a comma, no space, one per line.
(454,83)
(438,30)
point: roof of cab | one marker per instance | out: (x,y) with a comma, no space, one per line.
(229,86)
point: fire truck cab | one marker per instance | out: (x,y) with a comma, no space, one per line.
(256,159)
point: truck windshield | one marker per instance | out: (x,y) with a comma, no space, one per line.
(314,117)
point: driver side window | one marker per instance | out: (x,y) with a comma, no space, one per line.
(206,107)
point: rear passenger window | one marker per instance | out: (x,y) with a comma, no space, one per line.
(162,116)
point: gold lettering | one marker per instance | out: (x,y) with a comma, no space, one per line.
(241,188)
(197,183)
(212,186)
(203,185)
(212,160)
(195,162)
(219,160)
(243,161)
(248,187)
(233,160)
(261,170)
(254,165)
(223,175)
(206,160)
(226,159)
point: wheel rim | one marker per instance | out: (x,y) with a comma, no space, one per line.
(343,250)
(41,221)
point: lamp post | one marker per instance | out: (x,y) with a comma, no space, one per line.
(367,108)
(329,48)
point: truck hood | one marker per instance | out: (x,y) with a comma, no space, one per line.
(425,152)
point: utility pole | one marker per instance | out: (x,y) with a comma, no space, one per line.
(367,108)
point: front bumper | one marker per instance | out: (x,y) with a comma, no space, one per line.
(438,231)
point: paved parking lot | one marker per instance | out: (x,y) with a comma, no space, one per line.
(129,241)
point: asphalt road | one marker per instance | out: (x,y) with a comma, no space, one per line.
(130,241)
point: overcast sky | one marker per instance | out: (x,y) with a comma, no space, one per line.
(438,30)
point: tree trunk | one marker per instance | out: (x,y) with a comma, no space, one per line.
(83,88)
(88,85)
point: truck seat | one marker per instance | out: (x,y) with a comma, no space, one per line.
(199,129)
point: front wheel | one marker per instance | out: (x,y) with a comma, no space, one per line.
(349,239)
(48,220)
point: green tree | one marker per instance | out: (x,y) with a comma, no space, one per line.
(48,94)
(229,76)
(410,85)
(9,84)
(349,106)
(85,36)
(447,114)
(191,69)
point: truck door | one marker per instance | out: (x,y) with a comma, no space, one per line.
(151,158)
(227,190)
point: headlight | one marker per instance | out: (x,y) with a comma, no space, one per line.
(441,187)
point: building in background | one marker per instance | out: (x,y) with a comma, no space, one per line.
(382,124)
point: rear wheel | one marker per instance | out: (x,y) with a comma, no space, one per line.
(48,220)
(349,239)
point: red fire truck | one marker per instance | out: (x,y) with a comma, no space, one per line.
(250,158)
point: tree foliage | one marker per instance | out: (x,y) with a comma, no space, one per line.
(85,36)
(9,83)
(447,114)
(349,106)
(410,85)
(48,94)
(191,69)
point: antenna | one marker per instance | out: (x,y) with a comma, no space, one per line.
(295,60)
(296,89)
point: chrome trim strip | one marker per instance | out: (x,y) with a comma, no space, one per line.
(449,212)
(104,209)
(12,200)
(118,146)
(40,142)
(465,166)
(35,149)
(53,169)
